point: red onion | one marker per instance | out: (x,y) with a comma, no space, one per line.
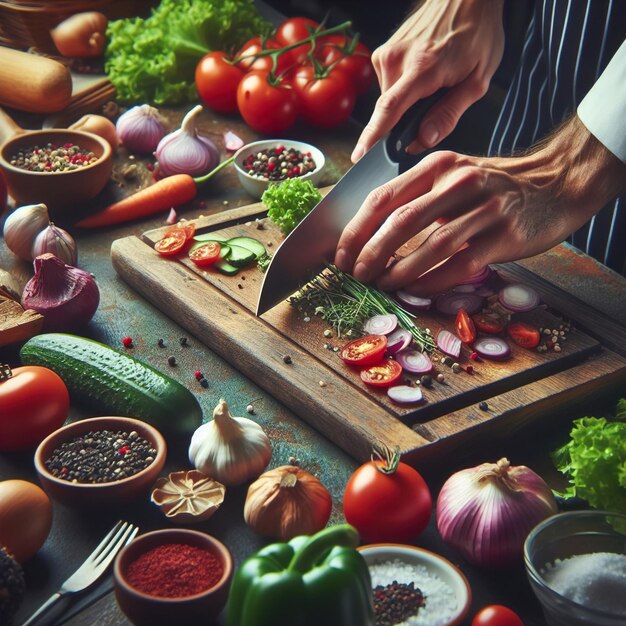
(185,151)
(66,296)
(479,278)
(398,340)
(487,511)
(232,142)
(380,324)
(415,362)
(449,343)
(518,298)
(450,303)
(404,394)
(494,348)
(140,129)
(413,303)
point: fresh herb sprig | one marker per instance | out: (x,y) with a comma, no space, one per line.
(346,304)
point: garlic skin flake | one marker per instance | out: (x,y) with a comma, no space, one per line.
(230,449)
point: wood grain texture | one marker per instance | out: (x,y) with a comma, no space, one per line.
(17,324)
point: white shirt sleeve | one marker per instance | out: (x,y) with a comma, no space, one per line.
(603,109)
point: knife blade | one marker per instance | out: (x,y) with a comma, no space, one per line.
(312,243)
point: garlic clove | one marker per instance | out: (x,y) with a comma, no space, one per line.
(22,226)
(56,241)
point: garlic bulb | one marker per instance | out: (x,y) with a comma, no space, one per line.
(286,502)
(140,129)
(22,226)
(56,241)
(230,449)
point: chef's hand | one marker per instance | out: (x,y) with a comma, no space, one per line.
(445,43)
(483,210)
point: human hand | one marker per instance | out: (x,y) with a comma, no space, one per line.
(484,210)
(454,43)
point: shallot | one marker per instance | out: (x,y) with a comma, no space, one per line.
(140,129)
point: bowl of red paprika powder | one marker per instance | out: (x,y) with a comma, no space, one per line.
(172,576)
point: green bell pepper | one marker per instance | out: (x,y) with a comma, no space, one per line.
(310,581)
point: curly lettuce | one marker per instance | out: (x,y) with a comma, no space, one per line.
(154,59)
(289,202)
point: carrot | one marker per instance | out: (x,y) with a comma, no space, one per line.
(164,194)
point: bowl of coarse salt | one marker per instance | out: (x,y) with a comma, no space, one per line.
(576,565)
(415,587)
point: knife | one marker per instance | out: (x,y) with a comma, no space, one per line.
(305,250)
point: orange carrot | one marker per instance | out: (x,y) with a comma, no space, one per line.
(162,195)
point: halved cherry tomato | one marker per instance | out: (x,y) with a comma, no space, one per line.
(524,334)
(465,329)
(487,323)
(172,243)
(365,350)
(382,374)
(206,254)
(189,228)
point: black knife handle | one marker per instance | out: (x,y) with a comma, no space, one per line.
(405,131)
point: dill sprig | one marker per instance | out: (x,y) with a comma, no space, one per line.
(346,304)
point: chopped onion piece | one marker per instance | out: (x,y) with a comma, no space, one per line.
(172,218)
(405,394)
(449,343)
(415,361)
(232,142)
(380,324)
(480,277)
(450,303)
(494,348)
(518,298)
(413,303)
(398,341)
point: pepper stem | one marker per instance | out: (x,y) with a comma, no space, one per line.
(320,543)
(390,459)
(5,372)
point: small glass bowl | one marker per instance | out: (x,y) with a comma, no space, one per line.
(561,537)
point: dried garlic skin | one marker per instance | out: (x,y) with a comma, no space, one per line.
(188,497)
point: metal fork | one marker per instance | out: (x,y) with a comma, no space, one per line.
(94,566)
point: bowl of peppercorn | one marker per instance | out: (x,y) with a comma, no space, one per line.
(101,461)
(173,576)
(273,160)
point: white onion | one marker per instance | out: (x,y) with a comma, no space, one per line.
(404,394)
(518,298)
(380,324)
(487,511)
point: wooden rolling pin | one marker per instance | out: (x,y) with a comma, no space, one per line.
(32,83)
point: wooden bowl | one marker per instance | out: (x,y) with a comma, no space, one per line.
(144,609)
(107,494)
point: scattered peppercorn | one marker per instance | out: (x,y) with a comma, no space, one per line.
(469,369)
(426,380)
(474,356)
(127,342)
(440,378)
(183,341)
(171,360)
(199,375)
(483,406)
(278,163)
(250,409)
(161,343)
(205,383)
(456,368)
(239,285)
(447,361)
(287,359)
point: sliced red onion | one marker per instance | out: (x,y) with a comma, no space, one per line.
(518,298)
(380,324)
(450,303)
(404,394)
(413,303)
(449,343)
(415,361)
(398,340)
(232,142)
(494,348)
(480,277)
(485,291)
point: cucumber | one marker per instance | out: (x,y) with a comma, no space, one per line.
(225,267)
(210,237)
(249,244)
(240,257)
(115,383)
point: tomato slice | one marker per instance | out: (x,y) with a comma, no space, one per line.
(465,329)
(524,334)
(382,374)
(206,254)
(173,242)
(365,350)
(189,228)
(487,323)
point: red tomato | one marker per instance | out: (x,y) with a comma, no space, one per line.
(217,81)
(267,108)
(188,228)
(254,46)
(383,507)
(293,30)
(206,254)
(33,403)
(487,323)
(173,242)
(364,351)
(383,374)
(497,615)
(324,102)
(465,329)
(523,334)
(357,65)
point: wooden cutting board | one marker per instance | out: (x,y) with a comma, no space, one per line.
(317,386)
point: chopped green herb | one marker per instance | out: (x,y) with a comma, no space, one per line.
(289,202)
(263,262)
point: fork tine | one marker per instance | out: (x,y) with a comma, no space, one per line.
(114,548)
(105,549)
(103,544)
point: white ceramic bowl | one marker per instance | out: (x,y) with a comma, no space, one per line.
(256,186)
(435,566)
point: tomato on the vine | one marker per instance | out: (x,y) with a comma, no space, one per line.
(387,500)
(254,46)
(364,350)
(327,101)
(296,29)
(356,64)
(34,401)
(383,374)
(217,81)
(497,615)
(267,107)
(465,329)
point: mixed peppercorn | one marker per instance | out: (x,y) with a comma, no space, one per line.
(52,158)
(396,602)
(279,163)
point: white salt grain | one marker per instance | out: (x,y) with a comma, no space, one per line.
(441,602)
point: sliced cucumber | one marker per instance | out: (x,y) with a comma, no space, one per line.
(225,267)
(249,244)
(204,237)
(240,257)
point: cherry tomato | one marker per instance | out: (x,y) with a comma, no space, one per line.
(34,401)
(496,615)
(267,108)
(324,102)
(293,30)
(465,329)
(523,334)
(217,81)
(254,46)
(487,323)
(357,65)
(394,506)
(188,228)
(364,351)
(172,243)
(206,254)
(383,374)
